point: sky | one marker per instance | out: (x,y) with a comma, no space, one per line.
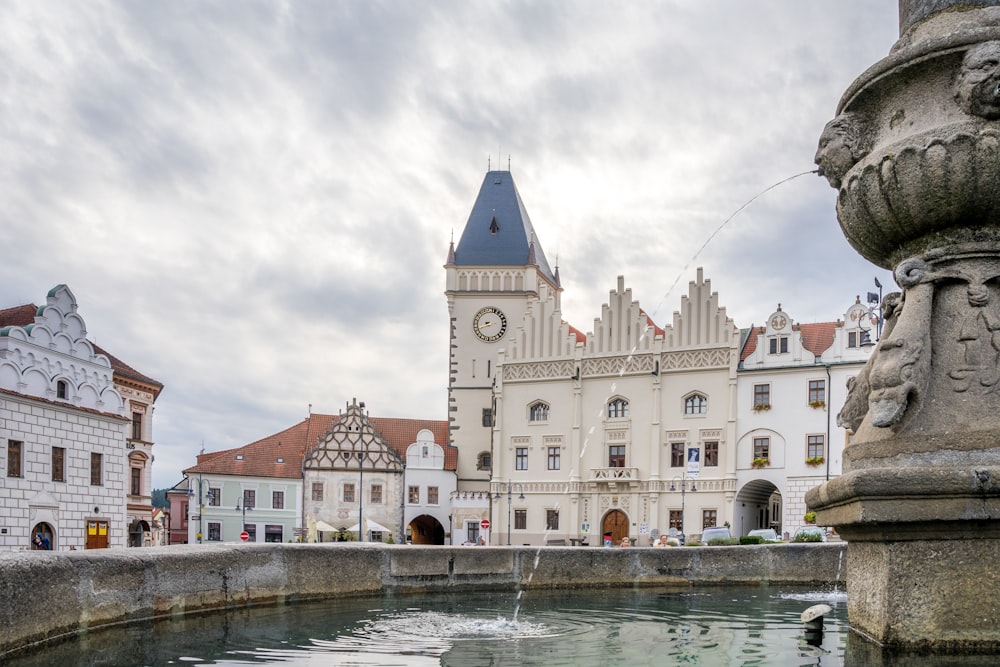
(252,201)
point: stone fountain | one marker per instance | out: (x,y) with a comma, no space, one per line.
(914,153)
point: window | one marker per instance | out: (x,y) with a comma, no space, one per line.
(761,396)
(521,458)
(251,529)
(348,493)
(278,501)
(852,339)
(376,494)
(695,405)
(432,495)
(539,412)
(487,417)
(137,426)
(554,453)
(249,498)
(58,464)
(779,345)
(520,519)
(96,469)
(273,532)
(762,448)
(618,408)
(484,461)
(136,481)
(616,456)
(708,518)
(815,447)
(413,495)
(711,453)
(14,458)
(817,392)
(472,531)
(677,455)
(214,531)
(551,519)
(62,389)
(317,491)
(676,519)
(214,496)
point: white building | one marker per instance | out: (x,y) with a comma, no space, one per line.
(792,382)
(63,432)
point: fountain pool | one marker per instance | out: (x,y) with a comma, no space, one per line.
(722,625)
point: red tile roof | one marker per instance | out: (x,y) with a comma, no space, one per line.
(260,458)
(18,316)
(816,338)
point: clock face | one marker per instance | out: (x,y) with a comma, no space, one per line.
(490,324)
(778,322)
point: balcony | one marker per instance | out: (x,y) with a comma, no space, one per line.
(615,475)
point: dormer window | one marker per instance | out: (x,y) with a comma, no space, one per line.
(494,227)
(538,412)
(778,345)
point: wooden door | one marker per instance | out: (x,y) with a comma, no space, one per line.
(616,523)
(97,534)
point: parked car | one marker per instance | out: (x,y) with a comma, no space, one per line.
(809,533)
(716,533)
(768,534)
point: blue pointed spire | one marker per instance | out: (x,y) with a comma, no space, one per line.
(499,231)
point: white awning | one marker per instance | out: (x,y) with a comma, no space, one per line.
(325,527)
(372,525)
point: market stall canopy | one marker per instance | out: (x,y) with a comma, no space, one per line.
(372,525)
(326,528)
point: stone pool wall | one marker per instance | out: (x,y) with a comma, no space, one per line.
(47,594)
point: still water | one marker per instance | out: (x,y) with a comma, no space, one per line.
(708,626)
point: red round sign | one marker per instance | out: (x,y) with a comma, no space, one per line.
(484,524)
(244,536)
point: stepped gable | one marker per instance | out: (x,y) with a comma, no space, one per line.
(499,231)
(544,334)
(701,321)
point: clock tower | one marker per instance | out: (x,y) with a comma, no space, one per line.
(493,274)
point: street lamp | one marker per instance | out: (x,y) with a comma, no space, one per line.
(510,500)
(201,507)
(673,488)
(243,526)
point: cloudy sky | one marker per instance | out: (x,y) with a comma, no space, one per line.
(252,201)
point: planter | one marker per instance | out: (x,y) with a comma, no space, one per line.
(760,407)
(760,463)
(815,461)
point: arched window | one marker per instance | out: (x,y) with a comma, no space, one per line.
(538,412)
(695,404)
(617,408)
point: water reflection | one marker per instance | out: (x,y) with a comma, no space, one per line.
(724,626)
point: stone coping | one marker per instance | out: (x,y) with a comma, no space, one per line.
(44,595)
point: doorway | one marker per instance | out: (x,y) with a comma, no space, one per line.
(48,536)
(615,523)
(97,534)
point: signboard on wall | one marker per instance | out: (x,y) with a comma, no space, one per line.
(694,461)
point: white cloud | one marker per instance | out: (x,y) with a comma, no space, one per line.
(253,201)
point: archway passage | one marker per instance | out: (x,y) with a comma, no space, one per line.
(758,505)
(615,525)
(48,536)
(138,533)
(425,529)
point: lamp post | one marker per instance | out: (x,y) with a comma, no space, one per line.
(673,488)
(510,501)
(244,508)
(201,507)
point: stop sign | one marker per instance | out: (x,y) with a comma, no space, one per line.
(244,536)
(484,524)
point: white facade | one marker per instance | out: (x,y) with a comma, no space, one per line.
(594,437)
(428,492)
(792,383)
(62,434)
